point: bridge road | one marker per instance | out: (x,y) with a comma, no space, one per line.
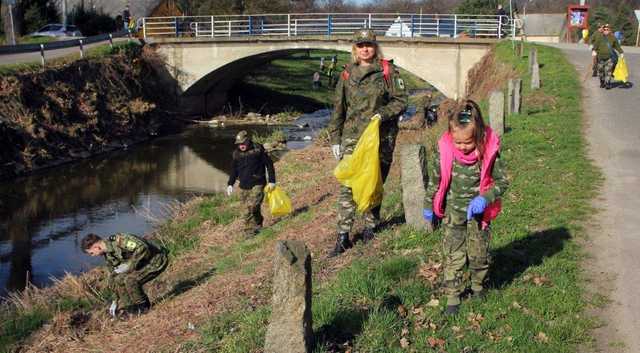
(613,133)
(34,57)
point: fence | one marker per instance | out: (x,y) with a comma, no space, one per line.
(389,25)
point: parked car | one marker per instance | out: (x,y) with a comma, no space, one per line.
(57,30)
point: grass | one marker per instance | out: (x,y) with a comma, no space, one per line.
(287,83)
(92,53)
(23,317)
(536,301)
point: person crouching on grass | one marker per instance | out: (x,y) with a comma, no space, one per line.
(132,262)
(468,181)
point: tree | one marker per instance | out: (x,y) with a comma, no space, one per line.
(478,7)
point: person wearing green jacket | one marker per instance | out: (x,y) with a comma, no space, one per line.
(131,262)
(595,37)
(369,87)
(604,49)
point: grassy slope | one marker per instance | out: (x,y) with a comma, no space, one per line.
(536,302)
(535,305)
(286,84)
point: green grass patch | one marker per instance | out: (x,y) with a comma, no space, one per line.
(535,303)
(90,54)
(287,83)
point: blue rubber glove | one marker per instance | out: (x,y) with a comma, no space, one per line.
(476,207)
(427,213)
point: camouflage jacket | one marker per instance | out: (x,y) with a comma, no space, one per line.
(605,45)
(128,249)
(364,93)
(465,185)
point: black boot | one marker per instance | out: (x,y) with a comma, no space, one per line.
(609,85)
(594,73)
(367,235)
(342,244)
(602,85)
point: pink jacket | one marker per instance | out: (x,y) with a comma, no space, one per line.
(492,147)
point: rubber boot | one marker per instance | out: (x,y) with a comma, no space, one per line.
(367,235)
(452,310)
(342,244)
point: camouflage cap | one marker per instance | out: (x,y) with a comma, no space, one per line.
(242,137)
(364,35)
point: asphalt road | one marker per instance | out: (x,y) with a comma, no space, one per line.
(613,132)
(49,54)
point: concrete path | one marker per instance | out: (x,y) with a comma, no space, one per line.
(34,57)
(613,132)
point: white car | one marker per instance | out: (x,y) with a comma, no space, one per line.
(57,30)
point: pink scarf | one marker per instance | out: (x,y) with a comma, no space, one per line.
(447,155)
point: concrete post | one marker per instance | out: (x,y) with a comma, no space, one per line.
(510,95)
(496,112)
(517,96)
(533,54)
(535,74)
(413,175)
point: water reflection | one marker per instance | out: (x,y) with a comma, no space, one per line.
(42,217)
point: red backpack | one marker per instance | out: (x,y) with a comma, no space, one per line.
(386,69)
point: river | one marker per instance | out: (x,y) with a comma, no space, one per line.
(43,217)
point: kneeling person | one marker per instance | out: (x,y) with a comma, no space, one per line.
(132,262)
(251,164)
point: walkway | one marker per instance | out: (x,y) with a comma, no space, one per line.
(613,131)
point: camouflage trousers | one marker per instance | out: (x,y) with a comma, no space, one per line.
(128,286)
(605,70)
(347,207)
(464,243)
(251,201)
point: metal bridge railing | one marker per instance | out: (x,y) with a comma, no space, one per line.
(384,24)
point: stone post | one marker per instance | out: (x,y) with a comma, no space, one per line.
(517,96)
(290,327)
(535,74)
(510,95)
(413,173)
(496,112)
(533,56)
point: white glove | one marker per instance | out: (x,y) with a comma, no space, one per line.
(622,56)
(229,190)
(593,53)
(271,186)
(122,268)
(336,151)
(113,308)
(377,116)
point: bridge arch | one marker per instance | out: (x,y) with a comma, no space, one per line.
(204,70)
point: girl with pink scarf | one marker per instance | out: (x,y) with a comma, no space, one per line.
(466,182)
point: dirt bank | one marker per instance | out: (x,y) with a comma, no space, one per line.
(80,109)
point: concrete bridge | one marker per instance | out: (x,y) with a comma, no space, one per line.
(205,55)
(205,69)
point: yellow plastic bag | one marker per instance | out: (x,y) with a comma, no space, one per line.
(361,170)
(621,73)
(279,202)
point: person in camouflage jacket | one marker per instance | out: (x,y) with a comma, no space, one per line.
(467,179)
(368,86)
(131,262)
